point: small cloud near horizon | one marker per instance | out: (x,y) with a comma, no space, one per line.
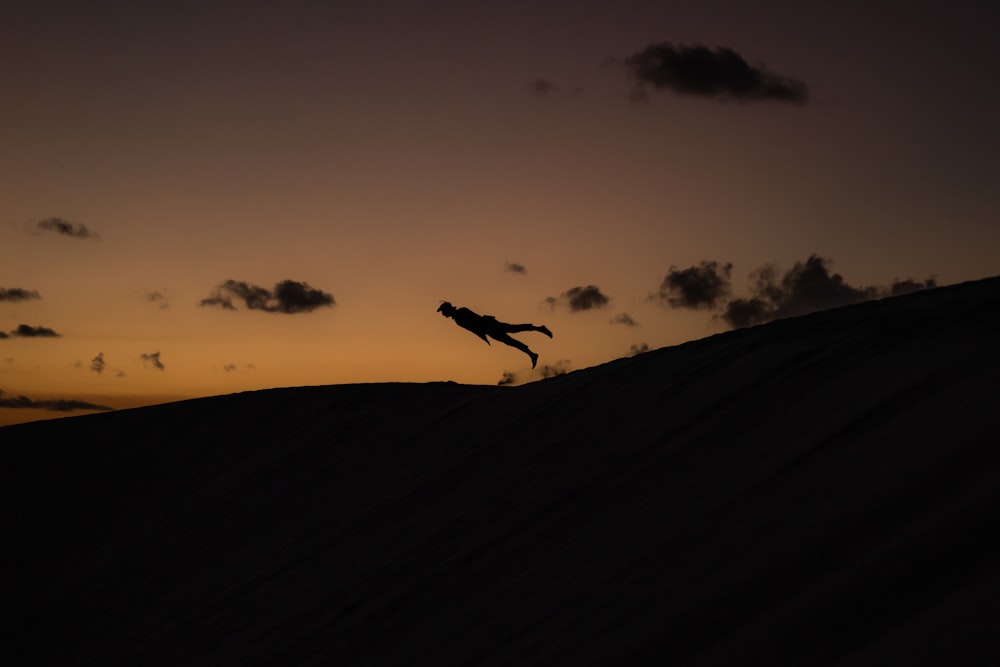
(287,297)
(55,405)
(719,73)
(97,363)
(807,287)
(26,331)
(15,294)
(560,367)
(637,349)
(66,228)
(515,267)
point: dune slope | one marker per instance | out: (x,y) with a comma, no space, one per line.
(818,490)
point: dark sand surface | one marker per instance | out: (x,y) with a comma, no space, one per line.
(818,490)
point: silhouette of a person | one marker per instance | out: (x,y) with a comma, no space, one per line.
(487,325)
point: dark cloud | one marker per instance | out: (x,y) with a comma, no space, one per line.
(514,267)
(151,360)
(637,349)
(60,226)
(25,331)
(702,286)
(18,294)
(720,73)
(805,288)
(288,296)
(56,404)
(625,319)
(908,285)
(581,298)
(560,367)
(508,378)
(542,86)
(97,363)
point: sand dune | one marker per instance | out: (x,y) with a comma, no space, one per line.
(818,490)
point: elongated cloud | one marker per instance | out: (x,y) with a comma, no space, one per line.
(514,267)
(719,73)
(624,318)
(18,294)
(702,286)
(55,404)
(25,331)
(65,228)
(288,297)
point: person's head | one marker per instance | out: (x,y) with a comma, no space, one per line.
(446,309)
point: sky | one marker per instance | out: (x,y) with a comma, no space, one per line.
(212,197)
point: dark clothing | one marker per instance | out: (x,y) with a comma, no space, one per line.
(487,326)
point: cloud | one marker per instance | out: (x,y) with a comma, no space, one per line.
(514,267)
(151,360)
(542,87)
(580,298)
(719,73)
(18,294)
(56,404)
(159,298)
(60,226)
(702,286)
(637,349)
(624,318)
(908,285)
(805,288)
(97,363)
(560,367)
(508,378)
(235,368)
(25,331)
(288,297)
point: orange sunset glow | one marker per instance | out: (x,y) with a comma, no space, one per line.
(382,157)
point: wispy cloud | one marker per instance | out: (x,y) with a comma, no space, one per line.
(97,363)
(542,86)
(507,379)
(65,228)
(624,318)
(151,360)
(288,297)
(18,294)
(560,367)
(714,73)
(637,349)
(55,404)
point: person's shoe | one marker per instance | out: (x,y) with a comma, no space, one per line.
(534,358)
(545,330)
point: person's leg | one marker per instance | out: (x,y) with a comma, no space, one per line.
(517,328)
(513,342)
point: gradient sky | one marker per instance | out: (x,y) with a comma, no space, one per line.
(395,154)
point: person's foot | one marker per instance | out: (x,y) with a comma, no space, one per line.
(545,330)
(534,358)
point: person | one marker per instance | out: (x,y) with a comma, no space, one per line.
(487,325)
